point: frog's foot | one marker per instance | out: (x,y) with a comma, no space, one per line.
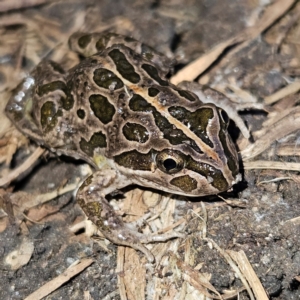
(91,198)
(154,237)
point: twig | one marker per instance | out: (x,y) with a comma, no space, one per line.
(21,169)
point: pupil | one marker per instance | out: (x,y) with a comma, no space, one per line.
(170,164)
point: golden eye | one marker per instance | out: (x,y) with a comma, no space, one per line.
(169,161)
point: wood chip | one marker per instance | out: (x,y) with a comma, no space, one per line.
(21,255)
(134,275)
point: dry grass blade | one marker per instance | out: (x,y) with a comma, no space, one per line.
(54,284)
(244,265)
(284,124)
(288,90)
(196,279)
(10,142)
(275,165)
(198,66)
(233,266)
(204,211)
(277,179)
(17,4)
(294,221)
(21,169)
(171,227)
(288,150)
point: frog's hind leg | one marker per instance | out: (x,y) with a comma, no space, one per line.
(91,198)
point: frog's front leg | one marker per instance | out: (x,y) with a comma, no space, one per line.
(91,198)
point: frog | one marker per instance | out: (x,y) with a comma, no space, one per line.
(117,111)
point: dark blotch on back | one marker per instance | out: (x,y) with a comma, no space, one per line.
(153,73)
(67,102)
(152,92)
(51,87)
(81,113)
(56,67)
(173,135)
(187,95)
(123,66)
(98,140)
(197,121)
(107,79)
(48,111)
(135,132)
(102,108)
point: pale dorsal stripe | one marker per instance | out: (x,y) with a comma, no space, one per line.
(165,113)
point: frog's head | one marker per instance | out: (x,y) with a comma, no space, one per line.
(185,151)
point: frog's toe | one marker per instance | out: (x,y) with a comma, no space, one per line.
(124,236)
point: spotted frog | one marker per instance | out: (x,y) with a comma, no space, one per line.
(117,111)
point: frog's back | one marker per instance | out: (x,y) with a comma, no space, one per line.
(86,113)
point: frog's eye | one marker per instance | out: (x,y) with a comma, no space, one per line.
(169,161)
(224,117)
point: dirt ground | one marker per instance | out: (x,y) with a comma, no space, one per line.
(243,244)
